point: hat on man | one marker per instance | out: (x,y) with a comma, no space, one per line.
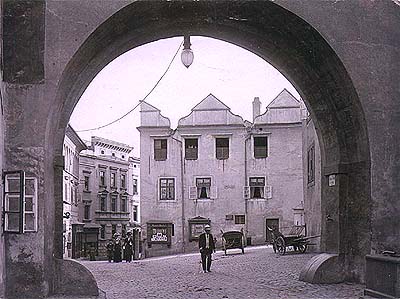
(207,227)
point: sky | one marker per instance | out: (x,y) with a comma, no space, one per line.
(232,74)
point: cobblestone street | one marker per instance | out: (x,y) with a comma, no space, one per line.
(259,273)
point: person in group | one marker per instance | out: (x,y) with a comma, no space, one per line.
(117,248)
(110,250)
(128,247)
(207,247)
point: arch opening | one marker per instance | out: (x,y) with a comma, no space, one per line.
(294,48)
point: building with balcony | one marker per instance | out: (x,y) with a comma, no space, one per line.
(216,168)
(109,197)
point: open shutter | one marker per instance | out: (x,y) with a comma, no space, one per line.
(268,192)
(213,191)
(192,192)
(246,192)
(13,201)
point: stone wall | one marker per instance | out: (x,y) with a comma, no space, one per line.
(312,190)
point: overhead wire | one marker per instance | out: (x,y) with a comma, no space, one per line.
(140,101)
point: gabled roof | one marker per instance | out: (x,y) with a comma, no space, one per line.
(284,99)
(144,106)
(210,103)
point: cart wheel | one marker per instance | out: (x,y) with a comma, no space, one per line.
(302,248)
(280,246)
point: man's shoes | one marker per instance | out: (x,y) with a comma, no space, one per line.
(204,271)
(208,270)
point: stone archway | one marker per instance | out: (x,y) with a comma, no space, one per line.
(280,37)
(294,48)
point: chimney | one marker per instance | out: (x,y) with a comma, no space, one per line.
(256,107)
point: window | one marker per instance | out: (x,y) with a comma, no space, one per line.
(113,203)
(260,147)
(86,187)
(123,156)
(103,202)
(240,219)
(102,152)
(167,189)
(135,186)
(257,185)
(160,149)
(123,181)
(203,187)
(135,213)
(102,231)
(124,206)
(311,164)
(113,154)
(222,148)
(191,149)
(102,175)
(30,204)
(20,202)
(112,180)
(87,212)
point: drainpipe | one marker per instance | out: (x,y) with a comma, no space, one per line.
(182,190)
(245,184)
(248,136)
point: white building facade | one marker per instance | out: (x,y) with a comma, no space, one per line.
(218,169)
(109,193)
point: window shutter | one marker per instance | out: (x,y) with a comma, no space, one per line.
(13,201)
(268,192)
(246,192)
(213,191)
(192,192)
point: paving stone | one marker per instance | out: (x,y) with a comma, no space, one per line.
(259,273)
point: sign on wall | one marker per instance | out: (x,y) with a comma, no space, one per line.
(159,233)
(196,227)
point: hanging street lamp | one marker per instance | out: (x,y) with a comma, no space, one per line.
(187,53)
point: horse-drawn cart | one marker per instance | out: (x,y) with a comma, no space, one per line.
(296,238)
(232,239)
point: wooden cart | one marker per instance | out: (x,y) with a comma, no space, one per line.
(296,238)
(232,239)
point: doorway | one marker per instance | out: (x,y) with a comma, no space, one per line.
(271,223)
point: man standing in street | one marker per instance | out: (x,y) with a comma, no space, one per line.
(206,246)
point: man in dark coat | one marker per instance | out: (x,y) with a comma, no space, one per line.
(117,248)
(128,247)
(110,250)
(207,247)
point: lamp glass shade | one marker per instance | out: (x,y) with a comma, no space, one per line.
(187,57)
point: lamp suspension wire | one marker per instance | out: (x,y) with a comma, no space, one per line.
(140,101)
